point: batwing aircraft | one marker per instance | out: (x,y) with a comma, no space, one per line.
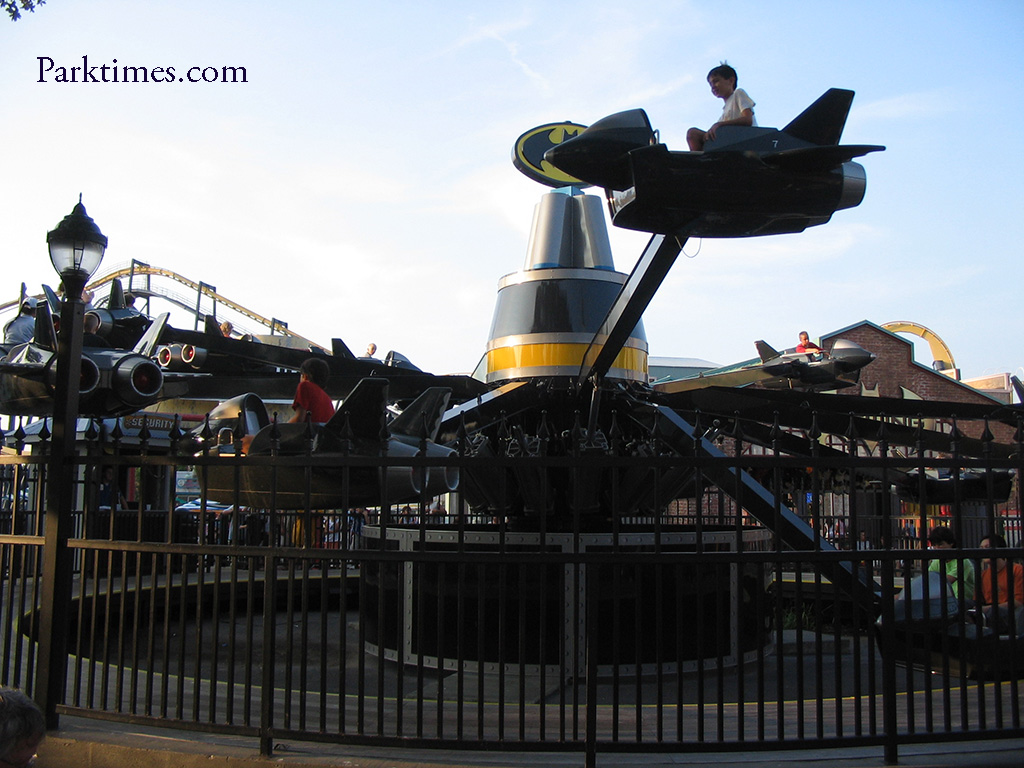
(359,427)
(120,325)
(113,381)
(269,371)
(748,181)
(810,371)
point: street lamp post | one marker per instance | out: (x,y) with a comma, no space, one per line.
(76,248)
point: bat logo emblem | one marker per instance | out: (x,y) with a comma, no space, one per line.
(528,153)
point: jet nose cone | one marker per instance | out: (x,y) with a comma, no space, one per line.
(598,155)
(569,157)
(850,355)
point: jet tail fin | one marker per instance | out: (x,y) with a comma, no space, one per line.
(151,338)
(45,334)
(822,123)
(116,299)
(340,349)
(422,418)
(210,326)
(52,299)
(364,410)
(765,351)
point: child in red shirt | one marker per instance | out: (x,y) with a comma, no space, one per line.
(310,397)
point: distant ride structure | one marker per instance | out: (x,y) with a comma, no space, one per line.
(941,353)
(149,282)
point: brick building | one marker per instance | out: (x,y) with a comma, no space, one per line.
(895,373)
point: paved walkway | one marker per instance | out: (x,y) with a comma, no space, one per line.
(94,744)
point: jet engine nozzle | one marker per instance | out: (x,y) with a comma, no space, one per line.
(168,356)
(443,480)
(121,326)
(193,356)
(136,380)
(104,322)
(89,378)
(402,482)
(855,183)
(408,482)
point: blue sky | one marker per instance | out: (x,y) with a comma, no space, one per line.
(359,185)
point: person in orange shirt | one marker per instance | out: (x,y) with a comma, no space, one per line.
(995,598)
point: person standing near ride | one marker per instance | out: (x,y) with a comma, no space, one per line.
(22,328)
(738,109)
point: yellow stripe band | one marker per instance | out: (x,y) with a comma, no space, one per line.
(559,355)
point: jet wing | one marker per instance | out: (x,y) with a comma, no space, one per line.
(847,404)
(817,159)
(35,371)
(735,378)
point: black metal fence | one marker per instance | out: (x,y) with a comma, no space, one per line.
(686,627)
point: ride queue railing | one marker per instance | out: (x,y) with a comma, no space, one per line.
(693,628)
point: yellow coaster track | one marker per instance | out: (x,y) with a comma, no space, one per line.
(941,354)
(129,274)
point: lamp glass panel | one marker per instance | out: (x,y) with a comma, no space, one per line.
(77,256)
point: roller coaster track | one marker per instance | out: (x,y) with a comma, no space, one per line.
(135,277)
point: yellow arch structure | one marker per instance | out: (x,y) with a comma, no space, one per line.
(940,352)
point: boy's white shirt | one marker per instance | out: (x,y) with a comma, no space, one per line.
(735,104)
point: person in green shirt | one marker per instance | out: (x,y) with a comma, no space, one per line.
(959,572)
